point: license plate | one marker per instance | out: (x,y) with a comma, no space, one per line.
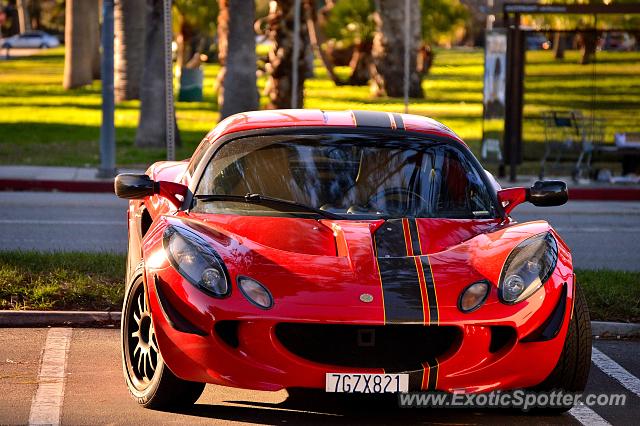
(366,383)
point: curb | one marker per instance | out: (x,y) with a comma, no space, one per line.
(59,319)
(620,330)
(110,319)
(56,185)
(605,194)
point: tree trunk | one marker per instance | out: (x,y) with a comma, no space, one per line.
(588,42)
(152,123)
(558,45)
(94,20)
(388,49)
(238,90)
(78,58)
(35,14)
(279,85)
(129,47)
(23,16)
(360,64)
(317,39)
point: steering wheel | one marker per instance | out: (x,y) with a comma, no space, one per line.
(391,192)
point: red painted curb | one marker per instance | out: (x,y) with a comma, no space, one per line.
(55,185)
(605,194)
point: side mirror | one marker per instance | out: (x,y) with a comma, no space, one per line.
(136,187)
(542,193)
(548,193)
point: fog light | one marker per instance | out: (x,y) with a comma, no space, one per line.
(473,296)
(255,292)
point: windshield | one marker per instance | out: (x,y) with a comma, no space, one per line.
(370,175)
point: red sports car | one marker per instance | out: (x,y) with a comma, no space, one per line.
(358,252)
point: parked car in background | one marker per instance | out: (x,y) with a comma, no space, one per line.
(31,39)
(618,42)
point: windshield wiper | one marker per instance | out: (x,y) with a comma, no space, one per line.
(267,200)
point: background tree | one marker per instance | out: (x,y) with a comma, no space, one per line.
(195,23)
(152,122)
(280,29)
(129,16)
(81,31)
(238,91)
(23,15)
(351,27)
(443,21)
(388,49)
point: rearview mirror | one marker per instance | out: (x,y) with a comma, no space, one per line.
(136,187)
(543,194)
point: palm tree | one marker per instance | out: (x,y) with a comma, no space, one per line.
(129,16)
(279,85)
(388,49)
(80,35)
(237,91)
(23,15)
(152,122)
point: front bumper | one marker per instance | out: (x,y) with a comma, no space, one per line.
(250,352)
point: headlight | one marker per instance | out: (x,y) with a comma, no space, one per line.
(528,267)
(473,296)
(191,256)
(255,292)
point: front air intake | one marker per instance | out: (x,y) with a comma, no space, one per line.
(401,347)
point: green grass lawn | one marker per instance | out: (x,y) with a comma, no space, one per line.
(31,280)
(40,123)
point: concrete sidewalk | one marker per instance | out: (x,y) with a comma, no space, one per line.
(84,179)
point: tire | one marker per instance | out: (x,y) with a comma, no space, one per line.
(44,46)
(571,373)
(149,380)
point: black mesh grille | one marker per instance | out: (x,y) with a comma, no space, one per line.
(400,347)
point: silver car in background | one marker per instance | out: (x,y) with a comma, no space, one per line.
(30,40)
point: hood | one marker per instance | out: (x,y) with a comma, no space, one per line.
(397,238)
(370,272)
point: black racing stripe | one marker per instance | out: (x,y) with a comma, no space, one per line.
(399,121)
(434,316)
(372,119)
(401,289)
(433,374)
(390,239)
(415,239)
(415,380)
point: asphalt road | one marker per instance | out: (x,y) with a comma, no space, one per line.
(94,392)
(600,234)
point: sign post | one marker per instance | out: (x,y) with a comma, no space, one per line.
(107,130)
(168,83)
(295,78)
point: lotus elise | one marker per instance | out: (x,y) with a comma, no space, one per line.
(349,252)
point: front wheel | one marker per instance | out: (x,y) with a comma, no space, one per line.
(571,373)
(149,380)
